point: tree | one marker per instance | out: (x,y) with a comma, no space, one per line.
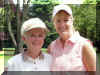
(14,18)
(85,20)
(98,26)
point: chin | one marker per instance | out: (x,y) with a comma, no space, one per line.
(37,47)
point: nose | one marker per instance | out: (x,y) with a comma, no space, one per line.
(62,24)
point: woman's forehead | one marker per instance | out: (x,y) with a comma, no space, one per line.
(62,13)
(36,30)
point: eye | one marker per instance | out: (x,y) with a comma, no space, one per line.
(41,36)
(32,35)
(58,21)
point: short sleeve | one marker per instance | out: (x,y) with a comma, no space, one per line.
(90,42)
(10,65)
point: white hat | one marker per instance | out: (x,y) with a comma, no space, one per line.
(58,8)
(32,23)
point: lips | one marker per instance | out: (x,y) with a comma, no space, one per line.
(61,30)
(35,43)
(65,32)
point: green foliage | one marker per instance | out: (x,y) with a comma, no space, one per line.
(45,1)
(85,20)
(1,19)
(51,36)
(89,2)
(98,23)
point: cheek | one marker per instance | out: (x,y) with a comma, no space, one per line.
(38,42)
(57,27)
(29,40)
(70,23)
(41,42)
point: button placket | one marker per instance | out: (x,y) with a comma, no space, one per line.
(34,63)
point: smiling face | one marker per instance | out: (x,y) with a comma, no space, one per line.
(63,24)
(34,38)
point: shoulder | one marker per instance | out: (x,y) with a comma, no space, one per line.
(13,62)
(87,46)
(83,39)
(50,46)
(88,49)
(47,56)
(85,42)
(53,42)
(14,58)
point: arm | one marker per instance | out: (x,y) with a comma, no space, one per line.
(89,57)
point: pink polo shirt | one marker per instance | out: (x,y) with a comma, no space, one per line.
(69,56)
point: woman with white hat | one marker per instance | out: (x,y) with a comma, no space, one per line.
(33,32)
(70,51)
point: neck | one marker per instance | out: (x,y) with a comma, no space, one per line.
(33,53)
(62,42)
(70,34)
(64,38)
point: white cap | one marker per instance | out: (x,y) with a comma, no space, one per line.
(63,7)
(31,24)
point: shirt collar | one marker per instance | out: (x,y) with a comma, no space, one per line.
(75,37)
(28,58)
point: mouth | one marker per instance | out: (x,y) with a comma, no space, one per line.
(65,32)
(35,43)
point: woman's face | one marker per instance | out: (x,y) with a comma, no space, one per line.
(63,24)
(34,38)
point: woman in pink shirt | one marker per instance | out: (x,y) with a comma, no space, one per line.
(70,51)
